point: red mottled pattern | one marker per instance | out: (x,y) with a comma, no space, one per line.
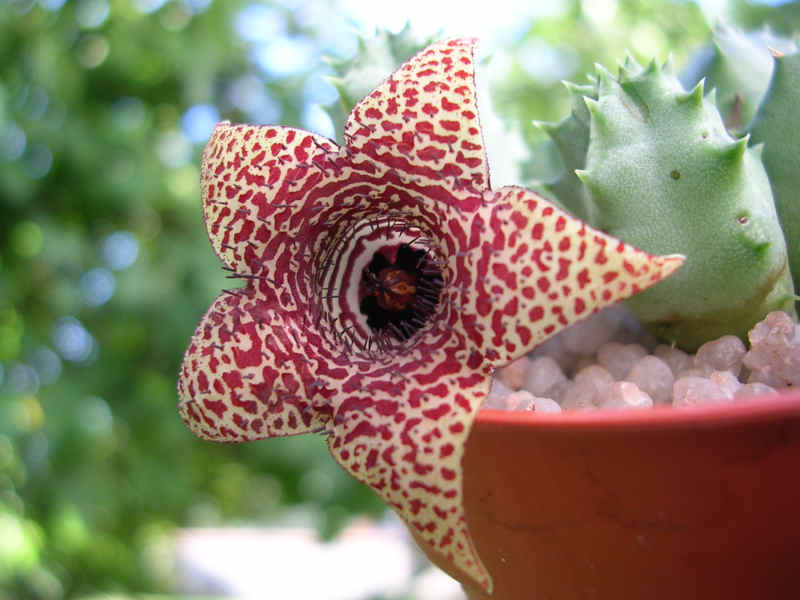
(250,372)
(423,121)
(294,215)
(542,270)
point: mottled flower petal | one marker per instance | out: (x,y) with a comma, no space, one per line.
(402,430)
(250,372)
(542,269)
(423,122)
(256,183)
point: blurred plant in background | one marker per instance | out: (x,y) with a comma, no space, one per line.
(104,108)
(105,269)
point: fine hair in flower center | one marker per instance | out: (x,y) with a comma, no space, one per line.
(400,292)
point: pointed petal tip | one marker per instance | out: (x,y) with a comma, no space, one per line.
(670,263)
(416,140)
(662,266)
(457,40)
(191,412)
(209,427)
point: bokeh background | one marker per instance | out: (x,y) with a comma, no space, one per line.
(105,268)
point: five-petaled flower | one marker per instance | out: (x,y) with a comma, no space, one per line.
(385,281)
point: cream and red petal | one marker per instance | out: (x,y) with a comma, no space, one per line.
(262,187)
(251,372)
(532,269)
(401,428)
(423,122)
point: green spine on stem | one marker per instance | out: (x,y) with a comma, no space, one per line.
(571,139)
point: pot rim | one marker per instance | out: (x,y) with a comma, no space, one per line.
(753,409)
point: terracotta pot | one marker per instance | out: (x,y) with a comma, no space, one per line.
(668,503)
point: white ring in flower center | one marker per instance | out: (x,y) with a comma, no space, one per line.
(341,280)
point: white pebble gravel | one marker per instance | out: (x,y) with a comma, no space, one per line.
(624,394)
(497,395)
(618,358)
(654,377)
(588,390)
(595,374)
(726,381)
(542,375)
(581,396)
(774,355)
(594,331)
(754,389)
(690,391)
(513,375)
(677,359)
(546,405)
(615,371)
(520,400)
(559,390)
(692,373)
(723,354)
(555,349)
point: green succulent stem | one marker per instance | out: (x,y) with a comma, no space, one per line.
(777,126)
(663,173)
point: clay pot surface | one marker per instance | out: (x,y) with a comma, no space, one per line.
(665,503)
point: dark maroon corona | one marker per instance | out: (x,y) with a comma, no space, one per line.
(400,296)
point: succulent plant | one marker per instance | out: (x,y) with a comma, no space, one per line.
(738,65)
(661,172)
(571,138)
(776,125)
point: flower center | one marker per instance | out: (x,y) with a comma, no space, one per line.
(378,281)
(394,289)
(399,290)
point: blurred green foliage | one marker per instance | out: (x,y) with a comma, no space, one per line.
(95,465)
(105,269)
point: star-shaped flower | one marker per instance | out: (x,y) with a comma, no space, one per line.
(385,281)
